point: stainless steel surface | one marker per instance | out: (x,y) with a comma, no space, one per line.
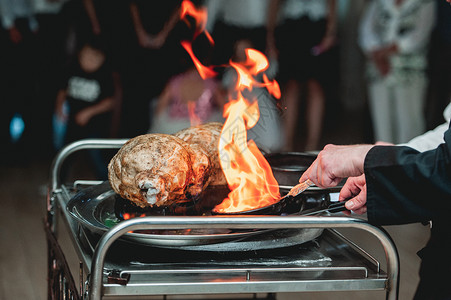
(245,222)
(332,263)
(94,210)
(76,146)
(361,276)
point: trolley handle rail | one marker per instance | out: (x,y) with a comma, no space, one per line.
(74,147)
(263,222)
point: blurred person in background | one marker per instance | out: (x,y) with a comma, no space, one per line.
(233,21)
(400,184)
(395,36)
(157,30)
(187,99)
(18,77)
(85,100)
(82,22)
(300,36)
(51,56)
(112,22)
(267,133)
(434,137)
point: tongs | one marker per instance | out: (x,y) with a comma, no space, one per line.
(280,206)
(298,188)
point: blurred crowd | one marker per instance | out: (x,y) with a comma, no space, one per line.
(73,69)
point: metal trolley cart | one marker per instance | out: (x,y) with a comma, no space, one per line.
(300,253)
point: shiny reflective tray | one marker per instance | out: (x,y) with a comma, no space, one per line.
(94,209)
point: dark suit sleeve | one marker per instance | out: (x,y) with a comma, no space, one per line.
(406,186)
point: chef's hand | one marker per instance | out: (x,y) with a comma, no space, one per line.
(335,163)
(354,192)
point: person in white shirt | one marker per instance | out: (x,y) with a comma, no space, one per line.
(394,36)
(432,138)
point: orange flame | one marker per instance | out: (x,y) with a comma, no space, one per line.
(248,174)
(194,119)
(128,216)
(272,86)
(205,72)
(199,15)
(256,63)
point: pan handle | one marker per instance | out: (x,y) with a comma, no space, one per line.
(331,208)
(337,207)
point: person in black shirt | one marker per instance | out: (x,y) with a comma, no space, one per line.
(87,91)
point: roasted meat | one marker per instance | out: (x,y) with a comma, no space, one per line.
(158,169)
(206,138)
(161,169)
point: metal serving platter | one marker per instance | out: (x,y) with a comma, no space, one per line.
(94,209)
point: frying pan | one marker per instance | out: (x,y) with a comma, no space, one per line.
(96,209)
(288,167)
(275,208)
(291,203)
(288,205)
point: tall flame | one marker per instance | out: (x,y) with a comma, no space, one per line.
(205,72)
(199,15)
(248,174)
(193,117)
